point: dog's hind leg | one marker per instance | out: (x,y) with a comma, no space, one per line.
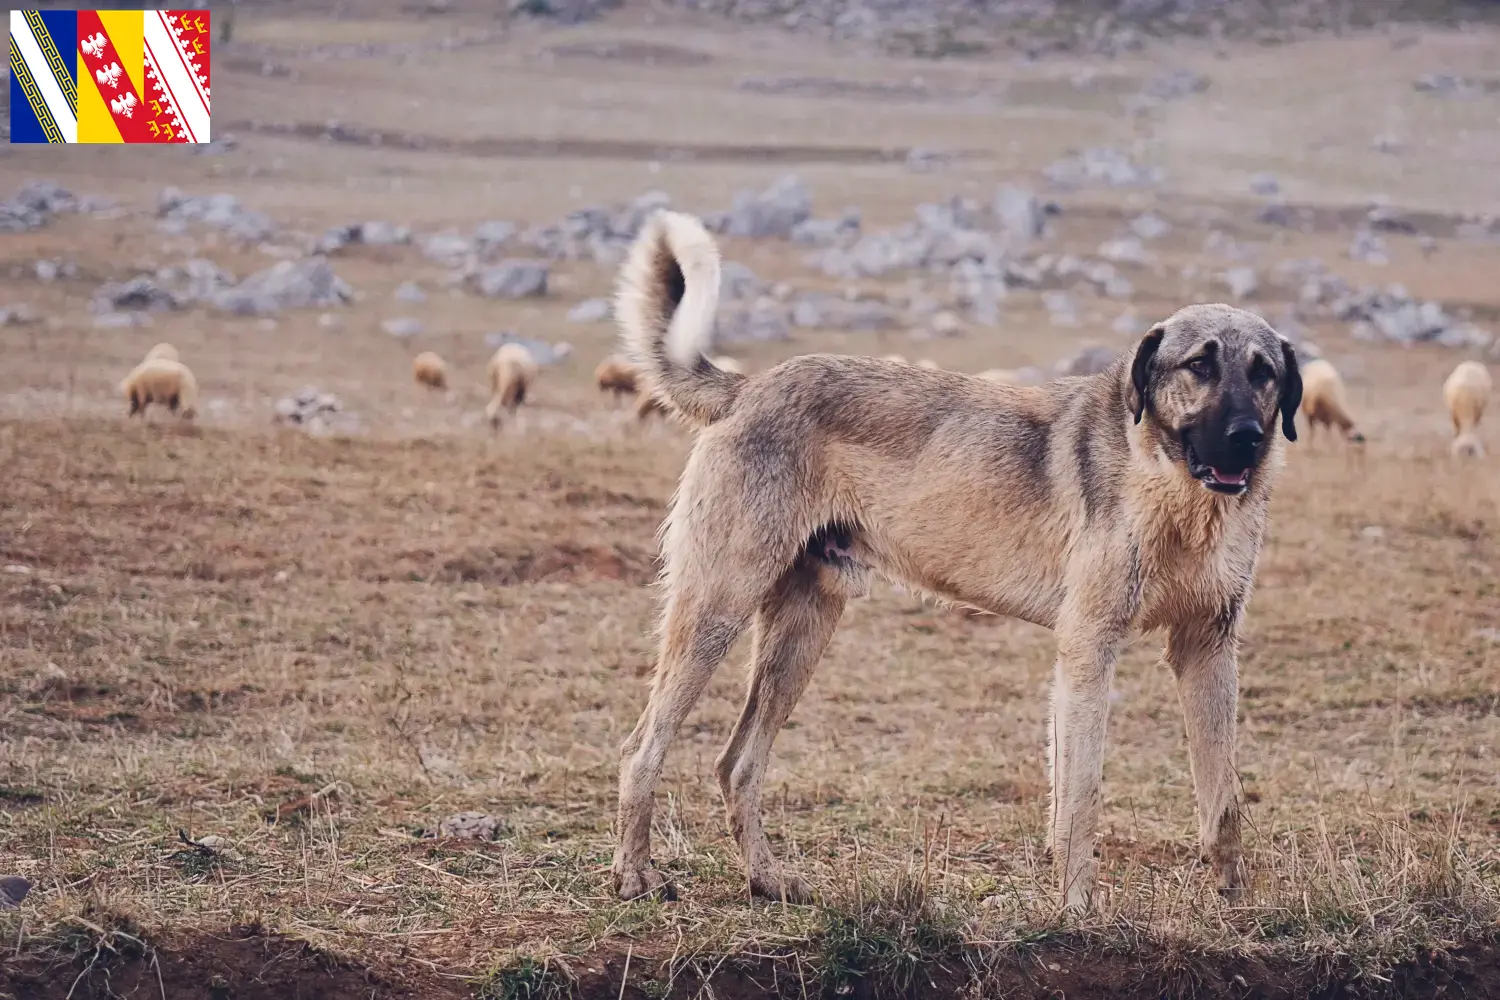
(1201,653)
(792,630)
(697,632)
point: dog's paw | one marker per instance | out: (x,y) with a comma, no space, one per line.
(643,883)
(781,886)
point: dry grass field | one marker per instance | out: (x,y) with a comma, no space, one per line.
(318,648)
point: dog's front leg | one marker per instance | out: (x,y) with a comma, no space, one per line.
(1202,652)
(1080,705)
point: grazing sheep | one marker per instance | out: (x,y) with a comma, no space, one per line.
(164,381)
(163,350)
(1323,400)
(511,372)
(1005,376)
(725,363)
(929,364)
(647,404)
(428,369)
(1466,392)
(616,375)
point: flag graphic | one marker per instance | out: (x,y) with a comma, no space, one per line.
(109,76)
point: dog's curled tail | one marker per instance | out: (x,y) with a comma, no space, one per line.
(665,303)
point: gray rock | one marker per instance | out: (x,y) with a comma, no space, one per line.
(195,280)
(842,231)
(1061,309)
(1265,185)
(1128,324)
(627,223)
(921,161)
(1274,213)
(1447,85)
(946,324)
(1384,219)
(1128,250)
(19,315)
(1242,282)
(591,311)
(1102,165)
(377,233)
(1019,213)
(762,321)
(409,291)
(33,206)
(774,212)
(492,235)
(1368,248)
(1149,226)
(1118,287)
(513,279)
(288,284)
(470,826)
(137,293)
(447,248)
(542,352)
(46,270)
(220,211)
(318,413)
(821,311)
(736,281)
(402,326)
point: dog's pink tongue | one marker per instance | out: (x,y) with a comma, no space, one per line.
(1230,480)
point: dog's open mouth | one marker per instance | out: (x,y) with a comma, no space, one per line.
(1219,480)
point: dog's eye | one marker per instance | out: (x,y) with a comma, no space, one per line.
(1201,367)
(1260,372)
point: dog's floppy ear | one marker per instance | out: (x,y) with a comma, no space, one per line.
(1291,390)
(1140,370)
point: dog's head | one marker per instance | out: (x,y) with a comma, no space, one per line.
(1212,381)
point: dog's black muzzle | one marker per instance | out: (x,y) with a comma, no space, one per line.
(1223,457)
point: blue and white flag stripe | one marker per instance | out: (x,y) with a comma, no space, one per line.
(41,75)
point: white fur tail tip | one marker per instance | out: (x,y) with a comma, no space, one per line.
(669,291)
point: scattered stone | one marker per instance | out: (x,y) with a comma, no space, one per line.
(195,280)
(1367,248)
(470,826)
(137,293)
(736,281)
(1127,250)
(492,235)
(946,324)
(409,291)
(1060,307)
(447,248)
(33,206)
(821,311)
(513,279)
(1102,165)
(1019,213)
(774,212)
(762,321)
(287,284)
(402,326)
(319,413)
(1373,532)
(1242,282)
(567,12)
(1265,185)
(221,211)
(1447,85)
(842,231)
(1387,144)
(1149,226)
(1128,324)
(591,311)
(1392,314)
(541,351)
(1382,218)
(1274,213)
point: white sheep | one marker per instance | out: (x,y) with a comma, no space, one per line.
(1324,401)
(161,380)
(617,375)
(1466,392)
(163,350)
(428,369)
(512,370)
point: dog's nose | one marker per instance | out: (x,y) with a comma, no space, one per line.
(1246,433)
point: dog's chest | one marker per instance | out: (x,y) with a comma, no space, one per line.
(1190,566)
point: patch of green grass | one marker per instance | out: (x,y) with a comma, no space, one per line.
(525,978)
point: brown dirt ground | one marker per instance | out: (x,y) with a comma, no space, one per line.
(221,621)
